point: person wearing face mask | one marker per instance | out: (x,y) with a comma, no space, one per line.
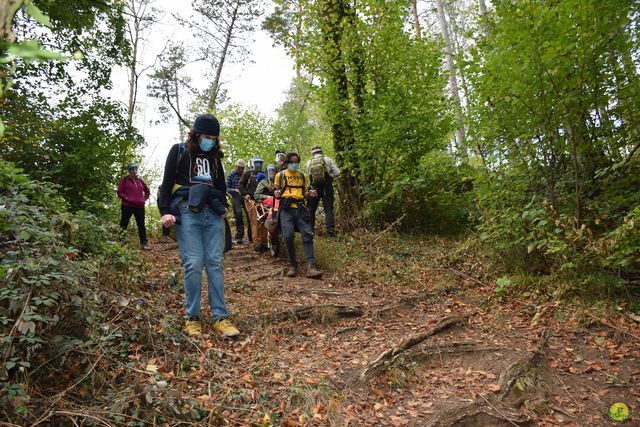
(280,156)
(292,189)
(237,201)
(247,186)
(200,233)
(134,194)
(266,186)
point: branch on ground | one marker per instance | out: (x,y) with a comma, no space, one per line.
(322,312)
(410,342)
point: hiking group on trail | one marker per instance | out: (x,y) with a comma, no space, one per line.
(193,199)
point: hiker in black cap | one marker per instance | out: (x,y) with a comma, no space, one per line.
(200,233)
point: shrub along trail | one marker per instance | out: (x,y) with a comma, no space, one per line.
(357,349)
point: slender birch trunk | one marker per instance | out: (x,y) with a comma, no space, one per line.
(453,80)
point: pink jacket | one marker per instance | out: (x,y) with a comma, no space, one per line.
(133,192)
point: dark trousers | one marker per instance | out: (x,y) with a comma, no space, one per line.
(237,202)
(138,213)
(326,196)
(292,219)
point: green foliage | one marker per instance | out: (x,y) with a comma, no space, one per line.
(53,263)
(555,91)
(246,133)
(78,146)
(384,105)
(301,122)
(434,195)
(58,127)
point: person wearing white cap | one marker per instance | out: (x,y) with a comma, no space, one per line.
(322,171)
(237,201)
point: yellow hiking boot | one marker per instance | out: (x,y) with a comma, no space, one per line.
(193,328)
(226,328)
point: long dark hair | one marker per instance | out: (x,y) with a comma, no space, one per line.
(192,143)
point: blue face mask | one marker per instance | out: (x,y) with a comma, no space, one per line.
(207,144)
(293,166)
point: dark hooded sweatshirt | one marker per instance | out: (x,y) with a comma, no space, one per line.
(195,167)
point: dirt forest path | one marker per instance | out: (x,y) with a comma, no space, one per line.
(344,351)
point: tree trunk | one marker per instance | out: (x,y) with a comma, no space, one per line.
(576,167)
(453,81)
(339,109)
(133,76)
(483,7)
(215,87)
(296,42)
(416,19)
(8,9)
(180,123)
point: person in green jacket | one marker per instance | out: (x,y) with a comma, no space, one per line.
(265,187)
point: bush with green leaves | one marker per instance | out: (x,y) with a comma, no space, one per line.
(553,97)
(53,262)
(435,195)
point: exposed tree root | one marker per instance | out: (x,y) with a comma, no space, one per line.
(409,342)
(518,382)
(448,349)
(266,275)
(328,292)
(240,258)
(257,265)
(412,300)
(521,376)
(481,414)
(322,313)
(615,328)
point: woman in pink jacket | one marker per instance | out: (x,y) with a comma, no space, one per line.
(134,193)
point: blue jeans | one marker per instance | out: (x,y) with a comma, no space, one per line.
(200,238)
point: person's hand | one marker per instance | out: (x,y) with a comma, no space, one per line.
(277,194)
(313,193)
(168,220)
(247,197)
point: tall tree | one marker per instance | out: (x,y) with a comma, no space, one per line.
(286,26)
(335,22)
(554,86)
(140,19)
(453,79)
(416,19)
(169,82)
(53,110)
(482,5)
(223,29)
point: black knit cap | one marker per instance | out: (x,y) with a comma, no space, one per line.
(206,124)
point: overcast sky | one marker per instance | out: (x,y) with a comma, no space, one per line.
(262,82)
